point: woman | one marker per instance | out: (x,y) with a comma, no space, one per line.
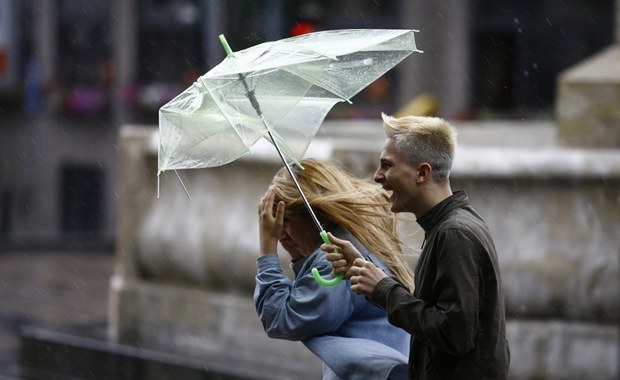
(351,336)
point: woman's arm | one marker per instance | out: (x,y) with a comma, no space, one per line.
(301,309)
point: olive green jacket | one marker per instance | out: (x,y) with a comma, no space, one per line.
(456,314)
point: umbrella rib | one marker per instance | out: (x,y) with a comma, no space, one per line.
(310,80)
(182,184)
(219,106)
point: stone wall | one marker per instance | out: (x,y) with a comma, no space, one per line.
(185,268)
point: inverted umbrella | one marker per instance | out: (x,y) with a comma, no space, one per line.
(280,91)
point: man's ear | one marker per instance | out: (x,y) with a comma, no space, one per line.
(424,172)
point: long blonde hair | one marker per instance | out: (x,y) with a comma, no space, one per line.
(359,206)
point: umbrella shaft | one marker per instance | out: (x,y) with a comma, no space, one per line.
(290,172)
(250,94)
(256,106)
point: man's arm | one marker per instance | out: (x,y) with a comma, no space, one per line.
(447,317)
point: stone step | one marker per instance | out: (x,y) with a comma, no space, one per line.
(71,354)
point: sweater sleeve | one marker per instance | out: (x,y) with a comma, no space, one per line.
(447,317)
(297,310)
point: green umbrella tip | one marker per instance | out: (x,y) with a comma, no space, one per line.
(226,46)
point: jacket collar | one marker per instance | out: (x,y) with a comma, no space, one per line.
(436,214)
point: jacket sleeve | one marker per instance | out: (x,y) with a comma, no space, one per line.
(300,309)
(447,317)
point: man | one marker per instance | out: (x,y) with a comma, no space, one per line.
(456,313)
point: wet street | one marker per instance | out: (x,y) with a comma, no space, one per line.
(49,288)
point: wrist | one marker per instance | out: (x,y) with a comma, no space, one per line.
(267,249)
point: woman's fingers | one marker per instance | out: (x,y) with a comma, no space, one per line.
(266,201)
(337,241)
(279,211)
(340,266)
(350,253)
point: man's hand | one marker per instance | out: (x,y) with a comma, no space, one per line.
(364,276)
(345,258)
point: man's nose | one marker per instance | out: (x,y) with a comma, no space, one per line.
(378,177)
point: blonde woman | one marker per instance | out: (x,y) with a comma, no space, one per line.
(351,336)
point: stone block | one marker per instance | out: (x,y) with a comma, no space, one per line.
(588,99)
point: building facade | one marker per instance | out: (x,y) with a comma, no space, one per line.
(72,73)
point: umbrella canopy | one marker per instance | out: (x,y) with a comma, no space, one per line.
(294,82)
(278,90)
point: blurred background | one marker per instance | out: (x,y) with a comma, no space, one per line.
(73,73)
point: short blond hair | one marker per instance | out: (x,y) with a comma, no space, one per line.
(423,139)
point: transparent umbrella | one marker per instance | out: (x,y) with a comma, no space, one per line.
(280,91)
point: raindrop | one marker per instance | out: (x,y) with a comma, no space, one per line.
(526,73)
(516,20)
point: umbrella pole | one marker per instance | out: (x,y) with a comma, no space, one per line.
(315,272)
(290,172)
(322,233)
(256,106)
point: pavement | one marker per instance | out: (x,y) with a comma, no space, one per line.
(52,289)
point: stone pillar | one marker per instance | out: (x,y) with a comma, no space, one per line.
(124,31)
(587,100)
(617,22)
(36,215)
(214,14)
(444,39)
(46,32)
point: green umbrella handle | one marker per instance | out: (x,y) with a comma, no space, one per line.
(227,48)
(315,272)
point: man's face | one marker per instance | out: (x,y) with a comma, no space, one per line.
(397,177)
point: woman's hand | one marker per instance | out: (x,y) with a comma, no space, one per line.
(270,221)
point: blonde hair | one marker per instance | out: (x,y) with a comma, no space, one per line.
(359,206)
(423,139)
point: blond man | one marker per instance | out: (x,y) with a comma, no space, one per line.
(456,313)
